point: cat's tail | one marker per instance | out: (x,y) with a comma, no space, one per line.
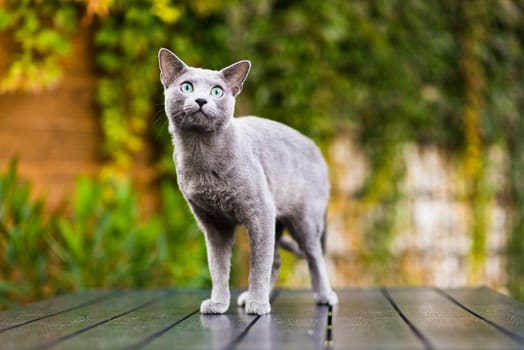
(324,235)
(291,246)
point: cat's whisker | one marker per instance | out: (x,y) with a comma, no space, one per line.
(189,109)
(177,115)
(159,117)
(212,112)
(184,117)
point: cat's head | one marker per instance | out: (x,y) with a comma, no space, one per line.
(199,99)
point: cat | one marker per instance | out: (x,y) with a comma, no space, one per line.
(249,171)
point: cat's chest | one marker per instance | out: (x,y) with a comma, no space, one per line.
(210,173)
(209,191)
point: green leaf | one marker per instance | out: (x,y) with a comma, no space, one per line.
(5,19)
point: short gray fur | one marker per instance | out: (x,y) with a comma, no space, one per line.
(249,171)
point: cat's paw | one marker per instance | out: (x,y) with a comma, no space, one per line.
(254,307)
(213,307)
(242,298)
(329,298)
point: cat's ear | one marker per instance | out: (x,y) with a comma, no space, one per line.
(171,67)
(235,75)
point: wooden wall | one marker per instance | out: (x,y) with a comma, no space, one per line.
(54,133)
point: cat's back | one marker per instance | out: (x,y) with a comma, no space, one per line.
(270,134)
(289,158)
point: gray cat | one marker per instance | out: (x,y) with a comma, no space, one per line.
(249,171)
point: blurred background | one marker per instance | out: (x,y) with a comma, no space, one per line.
(417,105)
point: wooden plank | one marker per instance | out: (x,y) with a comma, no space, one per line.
(444,324)
(203,331)
(23,315)
(295,322)
(366,320)
(500,311)
(143,326)
(43,334)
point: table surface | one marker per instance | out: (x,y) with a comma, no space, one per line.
(376,318)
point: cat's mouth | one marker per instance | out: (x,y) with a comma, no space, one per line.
(195,119)
(203,113)
(199,112)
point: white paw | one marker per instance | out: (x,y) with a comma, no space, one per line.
(242,298)
(213,307)
(329,298)
(257,308)
(253,307)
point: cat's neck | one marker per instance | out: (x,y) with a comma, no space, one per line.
(205,149)
(188,138)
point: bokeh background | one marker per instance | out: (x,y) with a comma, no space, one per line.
(417,105)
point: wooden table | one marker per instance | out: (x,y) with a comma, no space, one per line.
(392,318)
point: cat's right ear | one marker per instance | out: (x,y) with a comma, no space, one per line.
(171,67)
(235,75)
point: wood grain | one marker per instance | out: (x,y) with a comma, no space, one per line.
(446,325)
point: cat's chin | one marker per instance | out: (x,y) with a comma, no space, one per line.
(203,115)
(196,127)
(200,122)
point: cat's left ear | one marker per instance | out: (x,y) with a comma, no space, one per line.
(235,75)
(171,67)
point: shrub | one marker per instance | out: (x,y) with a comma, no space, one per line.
(100,241)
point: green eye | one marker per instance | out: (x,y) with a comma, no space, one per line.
(217,91)
(186,87)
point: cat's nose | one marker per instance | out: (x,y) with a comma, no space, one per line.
(201,101)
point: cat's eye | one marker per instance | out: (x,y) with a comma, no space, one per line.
(186,87)
(217,91)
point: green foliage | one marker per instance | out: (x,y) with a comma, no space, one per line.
(381,196)
(126,46)
(42,31)
(22,245)
(101,243)
(515,247)
(105,244)
(183,246)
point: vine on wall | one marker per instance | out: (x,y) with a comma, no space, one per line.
(472,36)
(40,33)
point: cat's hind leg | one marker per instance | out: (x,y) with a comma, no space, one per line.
(277,261)
(308,233)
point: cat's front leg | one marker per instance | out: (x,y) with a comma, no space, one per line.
(261,230)
(219,242)
(242,298)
